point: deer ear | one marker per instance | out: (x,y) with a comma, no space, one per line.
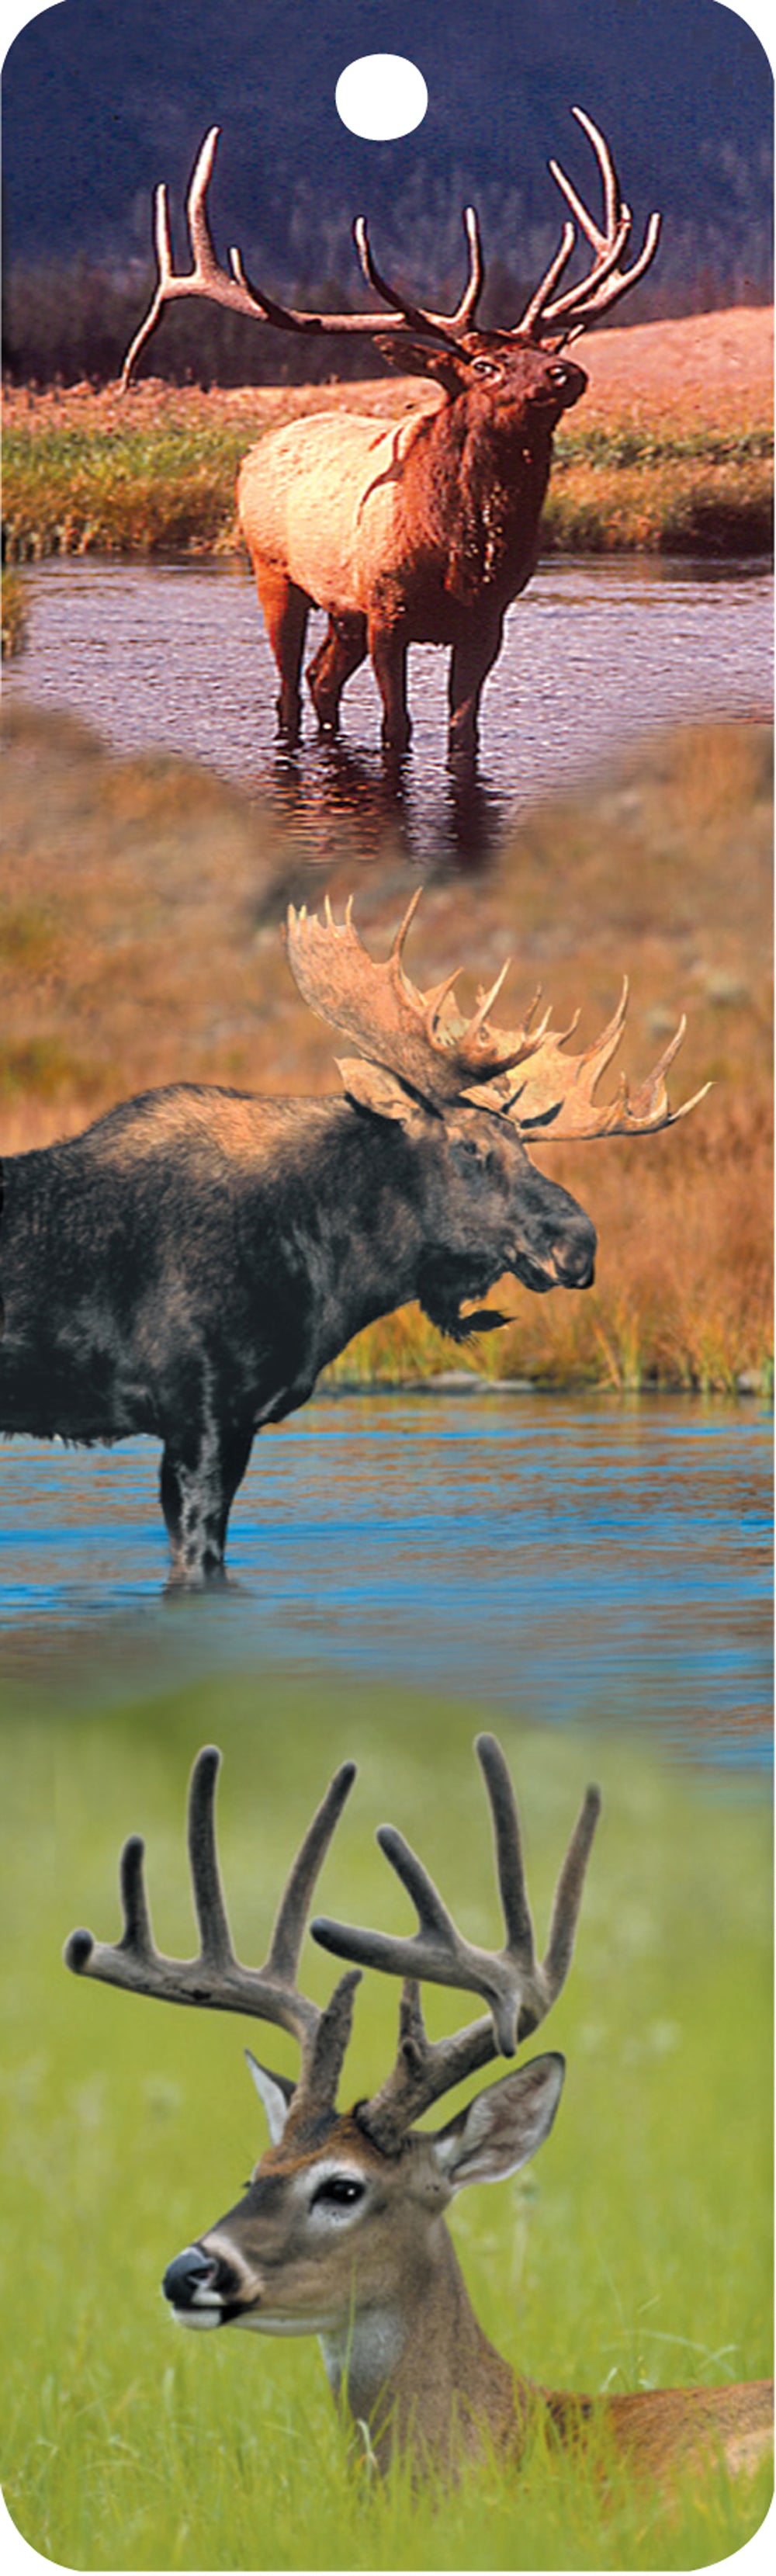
(503,2127)
(276,2094)
(370,1087)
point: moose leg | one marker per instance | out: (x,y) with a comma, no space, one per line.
(343,648)
(472,659)
(388,649)
(285,610)
(201,1471)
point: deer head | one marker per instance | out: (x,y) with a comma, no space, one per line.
(340,2230)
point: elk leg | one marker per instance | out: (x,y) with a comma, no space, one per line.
(472,660)
(388,649)
(343,648)
(285,610)
(200,1473)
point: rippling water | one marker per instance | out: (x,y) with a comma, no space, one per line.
(597,653)
(572,1561)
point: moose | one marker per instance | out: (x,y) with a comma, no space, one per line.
(425,531)
(342,2229)
(189,1264)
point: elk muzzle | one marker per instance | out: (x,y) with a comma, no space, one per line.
(196,2286)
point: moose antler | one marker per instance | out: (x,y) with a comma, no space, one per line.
(422,1038)
(605,282)
(216,1978)
(518,1988)
(416,1035)
(556,1099)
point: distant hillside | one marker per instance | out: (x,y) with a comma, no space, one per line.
(100,104)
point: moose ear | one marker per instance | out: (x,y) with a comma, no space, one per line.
(276,2093)
(503,2127)
(370,1087)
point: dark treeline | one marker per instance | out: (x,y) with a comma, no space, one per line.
(71,323)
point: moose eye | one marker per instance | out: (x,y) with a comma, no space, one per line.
(341,2189)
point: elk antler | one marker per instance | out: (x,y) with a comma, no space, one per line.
(605,282)
(419,1036)
(216,1977)
(518,1988)
(206,278)
(422,1038)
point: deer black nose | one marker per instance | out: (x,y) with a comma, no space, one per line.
(188,2276)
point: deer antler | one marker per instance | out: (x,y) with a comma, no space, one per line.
(419,1036)
(216,1977)
(518,1988)
(605,282)
(207,279)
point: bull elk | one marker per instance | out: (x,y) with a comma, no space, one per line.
(342,2232)
(188,1265)
(423,532)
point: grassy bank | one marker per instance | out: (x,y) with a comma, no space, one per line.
(670,452)
(632,2253)
(125,965)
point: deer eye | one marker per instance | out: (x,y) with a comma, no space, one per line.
(341,2189)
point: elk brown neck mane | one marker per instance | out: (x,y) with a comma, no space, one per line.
(341,2231)
(189,1265)
(425,531)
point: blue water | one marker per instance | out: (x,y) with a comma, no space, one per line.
(570,1560)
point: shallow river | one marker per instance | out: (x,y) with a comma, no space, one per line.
(596,654)
(581,1560)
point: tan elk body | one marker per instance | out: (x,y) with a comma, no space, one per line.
(342,2230)
(423,532)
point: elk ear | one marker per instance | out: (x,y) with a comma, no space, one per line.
(502,2128)
(276,2094)
(413,359)
(370,1087)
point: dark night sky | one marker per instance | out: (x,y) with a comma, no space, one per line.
(100,102)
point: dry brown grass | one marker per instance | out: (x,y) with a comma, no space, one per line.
(139,904)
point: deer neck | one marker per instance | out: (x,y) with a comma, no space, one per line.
(417,2373)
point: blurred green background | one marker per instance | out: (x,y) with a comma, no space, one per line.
(634,2252)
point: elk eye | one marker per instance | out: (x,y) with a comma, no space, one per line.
(484,367)
(342,2189)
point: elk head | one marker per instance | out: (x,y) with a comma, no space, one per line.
(445,345)
(339,2228)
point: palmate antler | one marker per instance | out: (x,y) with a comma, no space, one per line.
(421,1037)
(605,282)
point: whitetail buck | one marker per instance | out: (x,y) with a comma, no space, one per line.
(188,1265)
(342,2232)
(422,532)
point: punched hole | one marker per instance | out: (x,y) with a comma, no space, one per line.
(381,96)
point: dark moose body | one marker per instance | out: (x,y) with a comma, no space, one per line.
(187,1267)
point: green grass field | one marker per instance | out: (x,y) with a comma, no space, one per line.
(635,2251)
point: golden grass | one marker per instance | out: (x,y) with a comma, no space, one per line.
(140,901)
(670,450)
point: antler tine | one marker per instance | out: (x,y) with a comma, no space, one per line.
(413,1034)
(442,326)
(518,1989)
(556,1094)
(216,1978)
(606,282)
